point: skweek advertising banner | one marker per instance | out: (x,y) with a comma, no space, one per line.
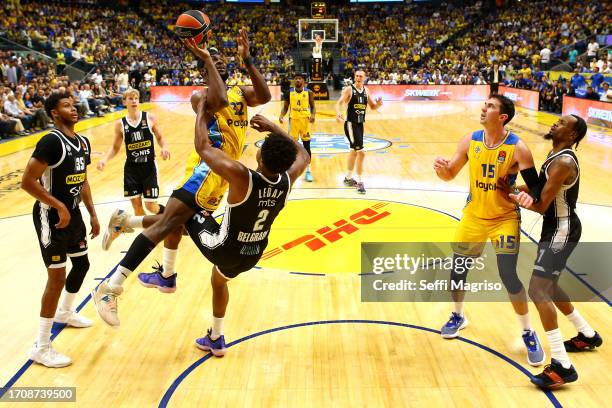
(183,93)
(521,97)
(430,92)
(594,112)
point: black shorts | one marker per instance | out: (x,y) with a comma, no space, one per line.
(354,134)
(57,244)
(559,238)
(140,179)
(230,258)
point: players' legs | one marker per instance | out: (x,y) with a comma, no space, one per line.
(152,207)
(360,156)
(214,341)
(306,143)
(137,205)
(350,167)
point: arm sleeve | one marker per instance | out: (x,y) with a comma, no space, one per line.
(48,149)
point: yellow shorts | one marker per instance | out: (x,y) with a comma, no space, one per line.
(299,128)
(473,233)
(200,187)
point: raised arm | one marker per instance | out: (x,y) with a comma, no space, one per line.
(218,161)
(262,124)
(114,149)
(216,94)
(259,93)
(448,169)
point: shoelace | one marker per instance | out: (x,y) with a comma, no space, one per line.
(158,267)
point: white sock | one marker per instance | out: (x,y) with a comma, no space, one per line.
(557,349)
(458,308)
(580,324)
(358,178)
(44,331)
(120,275)
(67,300)
(217,328)
(134,221)
(525,322)
(349,174)
(168,262)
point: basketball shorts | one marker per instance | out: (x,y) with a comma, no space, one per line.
(473,233)
(140,179)
(299,128)
(58,244)
(200,189)
(230,258)
(354,134)
(559,238)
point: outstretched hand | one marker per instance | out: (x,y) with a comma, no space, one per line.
(262,124)
(200,52)
(243,43)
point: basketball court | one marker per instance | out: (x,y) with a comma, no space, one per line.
(298,331)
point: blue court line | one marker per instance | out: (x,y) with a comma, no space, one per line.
(307,273)
(177,382)
(55,331)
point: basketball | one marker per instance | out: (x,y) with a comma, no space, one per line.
(193,24)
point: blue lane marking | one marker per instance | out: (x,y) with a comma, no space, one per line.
(55,331)
(177,382)
(307,273)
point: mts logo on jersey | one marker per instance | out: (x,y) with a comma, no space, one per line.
(75,178)
(267,196)
(326,235)
(139,145)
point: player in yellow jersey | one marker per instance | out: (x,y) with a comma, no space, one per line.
(301,115)
(201,189)
(492,154)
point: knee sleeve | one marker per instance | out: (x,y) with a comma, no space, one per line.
(506,264)
(74,280)
(306,144)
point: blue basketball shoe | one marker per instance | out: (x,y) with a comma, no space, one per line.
(535,353)
(217,347)
(156,280)
(455,323)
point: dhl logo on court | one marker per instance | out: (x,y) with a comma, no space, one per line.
(75,178)
(139,145)
(326,235)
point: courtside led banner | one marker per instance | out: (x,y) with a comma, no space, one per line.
(430,92)
(183,93)
(521,97)
(594,112)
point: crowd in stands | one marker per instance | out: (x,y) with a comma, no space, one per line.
(448,44)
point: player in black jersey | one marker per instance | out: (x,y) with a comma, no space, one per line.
(357,99)
(56,176)
(255,199)
(137,130)
(561,230)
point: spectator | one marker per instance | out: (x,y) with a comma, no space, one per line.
(606,94)
(577,80)
(11,108)
(592,48)
(591,94)
(545,58)
(596,79)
